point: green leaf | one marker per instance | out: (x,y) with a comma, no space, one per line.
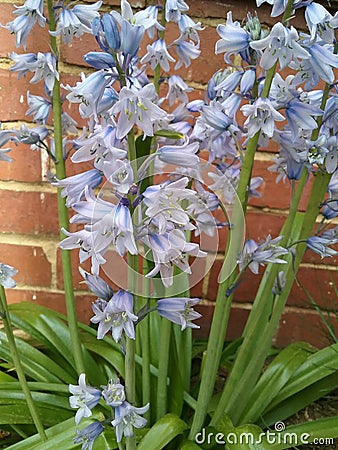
(190,445)
(163,432)
(17,412)
(36,365)
(299,401)
(275,377)
(316,367)
(171,134)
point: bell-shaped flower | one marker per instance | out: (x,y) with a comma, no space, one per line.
(30,136)
(137,107)
(234,38)
(300,116)
(318,21)
(114,393)
(186,51)
(97,285)
(119,173)
(27,15)
(177,90)
(261,116)
(179,311)
(280,45)
(74,186)
(127,417)
(39,107)
(181,155)
(22,63)
(88,435)
(189,28)
(116,316)
(320,245)
(174,9)
(100,60)
(6,274)
(253,255)
(89,91)
(131,37)
(157,54)
(75,21)
(84,397)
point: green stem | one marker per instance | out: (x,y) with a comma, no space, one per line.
(17,363)
(63,212)
(163,368)
(130,383)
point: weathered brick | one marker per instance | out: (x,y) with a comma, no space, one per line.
(26,164)
(28,212)
(31,262)
(13,104)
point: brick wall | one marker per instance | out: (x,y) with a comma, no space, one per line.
(29,226)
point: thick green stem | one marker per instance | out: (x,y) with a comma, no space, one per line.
(130,383)
(162,386)
(63,213)
(17,363)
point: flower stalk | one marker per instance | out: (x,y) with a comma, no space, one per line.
(63,211)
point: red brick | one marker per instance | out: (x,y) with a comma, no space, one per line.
(26,164)
(11,90)
(275,195)
(38,38)
(28,212)
(31,262)
(319,283)
(300,325)
(295,325)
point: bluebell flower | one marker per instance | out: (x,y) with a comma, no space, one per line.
(84,398)
(23,62)
(318,21)
(100,60)
(114,394)
(68,124)
(28,14)
(279,6)
(177,90)
(74,187)
(320,245)
(319,66)
(174,9)
(186,51)
(182,155)
(39,107)
(253,255)
(280,45)
(127,417)
(75,21)
(116,316)
(5,136)
(279,283)
(97,285)
(229,83)
(261,116)
(106,33)
(90,91)
(131,37)
(189,28)
(6,274)
(137,107)
(4,156)
(87,436)
(120,174)
(30,136)
(214,116)
(330,116)
(234,39)
(247,82)
(179,311)
(300,116)
(157,54)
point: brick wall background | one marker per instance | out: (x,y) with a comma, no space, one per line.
(29,225)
